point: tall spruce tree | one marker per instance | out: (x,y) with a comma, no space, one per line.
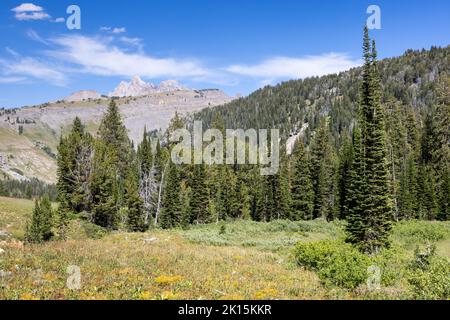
(301,185)
(105,188)
(369,228)
(343,183)
(172,211)
(440,154)
(113,155)
(357,189)
(136,220)
(322,171)
(200,195)
(74,168)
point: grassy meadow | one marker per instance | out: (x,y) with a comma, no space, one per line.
(233,260)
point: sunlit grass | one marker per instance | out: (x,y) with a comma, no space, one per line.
(243,260)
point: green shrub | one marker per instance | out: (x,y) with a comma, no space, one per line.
(223,228)
(433,283)
(392,263)
(429,275)
(93,231)
(422,231)
(337,263)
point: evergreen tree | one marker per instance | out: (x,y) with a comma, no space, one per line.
(322,171)
(113,134)
(33,229)
(46,218)
(135,205)
(40,227)
(172,212)
(408,198)
(113,155)
(301,185)
(345,166)
(428,207)
(440,154)
(282,191)
(370,227)
(245,213)
(200,196)
(62,220)
(74,168)
(105,189)
(357,190)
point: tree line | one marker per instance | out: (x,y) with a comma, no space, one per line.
(389,163)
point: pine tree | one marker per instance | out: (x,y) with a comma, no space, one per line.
(200,196)
(370,223)
(136,215)
(62,220)
(172,212)
(74,168)
(244,210)
(113,134)
(408,197)
(345,166)
(428,206)
(282,192)
(357,189)
(322,171)
(113,155)
(104,188)
(33,229)
(46,218)
(40,228)
(301,185)
(440,154)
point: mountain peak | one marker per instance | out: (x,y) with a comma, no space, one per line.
(138,87)
(83,95)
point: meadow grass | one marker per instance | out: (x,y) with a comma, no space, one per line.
(232,260)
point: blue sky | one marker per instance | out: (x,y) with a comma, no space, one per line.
(235,45)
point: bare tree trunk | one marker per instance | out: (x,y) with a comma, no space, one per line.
(158,208)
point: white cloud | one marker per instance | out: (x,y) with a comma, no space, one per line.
(99,56)
(27,7)
(113,30)
(8,80)
(294,68)
(30,67)
(59,20)
(119,30)
(25,16)
(33,35)
(30,11)
(134,42)
(11,52)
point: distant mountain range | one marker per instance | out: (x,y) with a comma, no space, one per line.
(136,87)
(29,135)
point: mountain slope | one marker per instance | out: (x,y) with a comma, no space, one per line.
(29,136)
(408,80)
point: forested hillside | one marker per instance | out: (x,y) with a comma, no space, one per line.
(370,157)
(407,82)
(323,112)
